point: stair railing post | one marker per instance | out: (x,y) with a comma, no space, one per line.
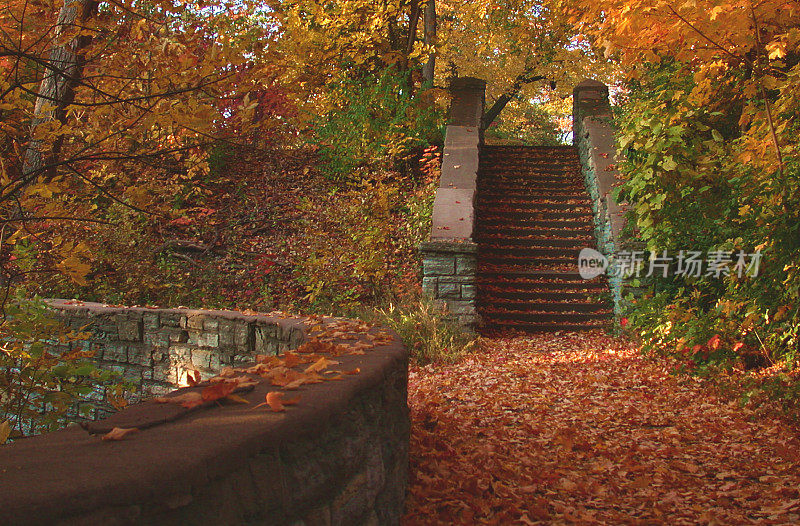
(593,134)
(449,259)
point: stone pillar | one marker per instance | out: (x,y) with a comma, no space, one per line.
(449,269)
(450,257)
(593,135)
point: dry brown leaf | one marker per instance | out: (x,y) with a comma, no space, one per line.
(188,400)
(236,399)
(276,402)
(5,431)
(119,433)
(320,365)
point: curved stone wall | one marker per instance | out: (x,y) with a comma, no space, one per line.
(339,456)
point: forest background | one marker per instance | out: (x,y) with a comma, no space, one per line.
(284,154)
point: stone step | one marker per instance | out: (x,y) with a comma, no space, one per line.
(533,214)
(522,232)
(540,282)
(542,188)
(548,307)
(557,274)
(556,172)
(519,222)
(531,315)
(582,205)
(534,241)
(533,327)
(504,251)
(524,193)
(489,292)
(537,193)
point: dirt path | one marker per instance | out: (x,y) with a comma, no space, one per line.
(579,429)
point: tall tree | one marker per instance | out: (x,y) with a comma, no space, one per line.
(514,46)
(118,104)
(62,71)
(429,69)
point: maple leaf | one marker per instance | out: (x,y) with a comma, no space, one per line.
(320,365)
(276,402)
(5,431)
(188,400)
(286,377)
(291,359)
(218,390)
(119,433)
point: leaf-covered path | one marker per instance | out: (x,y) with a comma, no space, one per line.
(579,429)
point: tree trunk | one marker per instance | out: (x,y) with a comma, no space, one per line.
(57,90)
(413,20)
(429,68)
(505,98)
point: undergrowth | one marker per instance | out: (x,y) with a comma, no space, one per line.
(426,330)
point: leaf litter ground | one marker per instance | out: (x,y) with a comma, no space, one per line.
(578,428)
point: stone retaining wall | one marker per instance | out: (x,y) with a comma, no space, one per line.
(156,348)
(338,457)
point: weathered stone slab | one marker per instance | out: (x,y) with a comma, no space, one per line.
(439,265)
(466,265)
(429,286)
(453,214)
(460,168)
(462,137)
(130,329)
(449,290)
(469,292)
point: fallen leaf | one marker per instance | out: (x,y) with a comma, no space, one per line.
(193,377)
(187,400)
(236,399)
(218,390)
(5,431)
(119,433)
(276,402)
(291,359)
(319,365)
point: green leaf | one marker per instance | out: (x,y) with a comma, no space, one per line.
(669,163)
(84,370)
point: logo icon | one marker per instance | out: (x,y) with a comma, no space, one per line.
(591,263)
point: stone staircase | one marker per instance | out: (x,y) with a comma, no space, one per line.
(533,217)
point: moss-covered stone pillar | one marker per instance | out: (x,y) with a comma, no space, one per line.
(450,257)
(593,135)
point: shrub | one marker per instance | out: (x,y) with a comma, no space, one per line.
(46,374)
(373,121)
(427,332)
(694,184)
